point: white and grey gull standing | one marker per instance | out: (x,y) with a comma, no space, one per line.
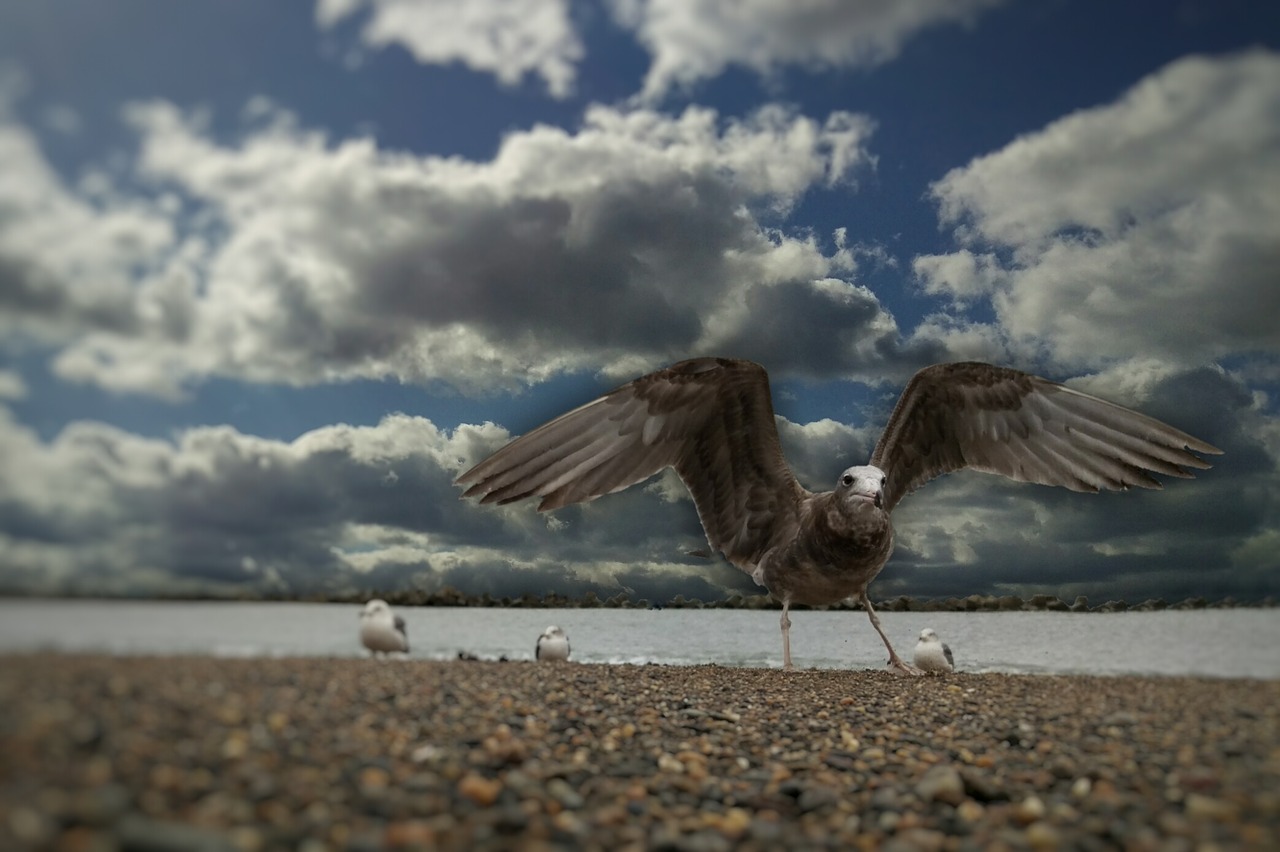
(382,631)
(553,644)
(932,654)
(712,420)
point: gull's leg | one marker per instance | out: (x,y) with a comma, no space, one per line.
(786,637)
(894,660)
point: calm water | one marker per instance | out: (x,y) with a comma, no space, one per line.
(1224,643)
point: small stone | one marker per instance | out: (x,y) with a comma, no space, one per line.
(511,820)
(236,745)
(29,825)
(1199,806)
(816,798)
(135,832)
(409,833)
(980,786)
(970,811)
(735,823)
(916,840)
(559,790)
(569,824)
(1029,810)
(1042,835)
(942,783)
(373,780)
(482,791)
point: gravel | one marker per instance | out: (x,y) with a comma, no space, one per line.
(199,753)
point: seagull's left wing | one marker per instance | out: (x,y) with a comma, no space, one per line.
(709,418)
(1000,420)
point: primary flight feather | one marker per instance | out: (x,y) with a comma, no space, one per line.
(712,420)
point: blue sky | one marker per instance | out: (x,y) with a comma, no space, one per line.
(273,274)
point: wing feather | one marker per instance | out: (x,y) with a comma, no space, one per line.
(709,418)
(1002,421)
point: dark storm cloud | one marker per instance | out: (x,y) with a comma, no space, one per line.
(632,268)
(825,330)
(301,261)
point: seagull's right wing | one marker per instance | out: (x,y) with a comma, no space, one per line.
(709,418)
(1003,421)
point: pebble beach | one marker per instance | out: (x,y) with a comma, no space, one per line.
(203,753)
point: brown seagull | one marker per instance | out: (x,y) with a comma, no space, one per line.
(712,420)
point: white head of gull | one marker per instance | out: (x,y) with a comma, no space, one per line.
(553,644)
(932,654)
(381,631)
(712,420)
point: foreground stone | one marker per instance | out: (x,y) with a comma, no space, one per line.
(202,753)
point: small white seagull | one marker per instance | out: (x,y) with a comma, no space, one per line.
(932,654)
(553,644)
(712,420)
(381,631)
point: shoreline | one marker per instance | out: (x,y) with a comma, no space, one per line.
(109,752)
(901,603)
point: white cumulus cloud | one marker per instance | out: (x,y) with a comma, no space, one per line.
(1150,225)
(692,40)
(507,38)
(284,256)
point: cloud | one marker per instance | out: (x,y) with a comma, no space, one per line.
(100,508)
(507,38)
(344,508)
(283,257)
(339,509)
(1150,225)
(68,262)
(689,41)
(12,386)
(693,40)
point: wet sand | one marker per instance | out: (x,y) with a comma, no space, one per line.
(201,753)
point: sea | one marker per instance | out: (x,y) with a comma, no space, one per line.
(1234,643)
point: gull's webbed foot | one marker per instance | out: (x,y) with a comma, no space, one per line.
(901,666)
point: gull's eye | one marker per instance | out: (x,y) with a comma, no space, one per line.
(846,480)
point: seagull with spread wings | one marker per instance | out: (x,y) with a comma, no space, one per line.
(712,420)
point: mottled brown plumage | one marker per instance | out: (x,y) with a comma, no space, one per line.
(712,420)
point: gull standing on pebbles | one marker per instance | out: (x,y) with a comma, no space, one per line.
(553,644)
(932,654)
(381,631)
(712,420)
